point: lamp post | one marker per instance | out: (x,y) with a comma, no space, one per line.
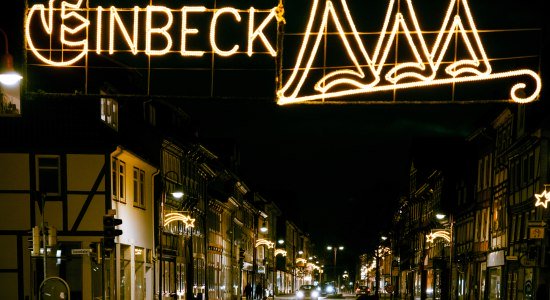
(377,274)
(275,253)
(335,250)
(177,194)
(441,217)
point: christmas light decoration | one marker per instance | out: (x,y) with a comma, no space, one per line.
(542,199)
(74,49)
(301,260)
(422,70)
(280,252)
(187,220)
(444,234)
(265,242)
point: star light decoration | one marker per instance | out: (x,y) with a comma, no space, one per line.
(301,260)
(269,244)
(280,251)
(438,234)
(187,220)
(367,71)
(542,199)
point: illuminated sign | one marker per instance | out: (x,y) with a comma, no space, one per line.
(542,199)
(265,242)
(370,72)
(313,266)
(64,33)
(73,25)
(301,261)
(438,234)
(187,220)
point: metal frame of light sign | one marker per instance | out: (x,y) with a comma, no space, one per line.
(444,234)
(427,61)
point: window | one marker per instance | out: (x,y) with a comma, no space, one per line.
(118,170)
(109,112)
(139,187)
(48,174)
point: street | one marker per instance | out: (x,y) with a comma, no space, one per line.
(342,296)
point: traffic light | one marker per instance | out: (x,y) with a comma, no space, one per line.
(110,231)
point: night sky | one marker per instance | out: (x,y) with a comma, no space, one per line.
(335,170)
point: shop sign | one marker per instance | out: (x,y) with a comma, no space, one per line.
(536,232)
(495,259)
(81,251)
(247,266)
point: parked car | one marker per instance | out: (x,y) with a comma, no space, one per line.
(307,291)
(362,290)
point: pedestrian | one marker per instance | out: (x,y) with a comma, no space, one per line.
(248,291)
(259,291)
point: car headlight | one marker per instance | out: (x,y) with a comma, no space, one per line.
(330,289)
(314,294)
(300,294)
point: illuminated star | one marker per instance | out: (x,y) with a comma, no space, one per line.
(430,238)
(189,222)
(544,196)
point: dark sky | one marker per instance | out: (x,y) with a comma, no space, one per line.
(336,171)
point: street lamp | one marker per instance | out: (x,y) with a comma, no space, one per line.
(378,253)
(448,236)
(8,76)
(263,228)
(275,253)
(170,184)
(335,250)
